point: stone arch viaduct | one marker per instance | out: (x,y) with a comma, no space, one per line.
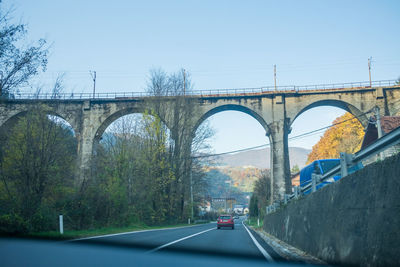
(274,110)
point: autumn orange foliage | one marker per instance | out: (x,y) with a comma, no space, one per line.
(344,137)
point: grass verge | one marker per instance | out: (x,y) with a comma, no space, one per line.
(253,223)
(73,234)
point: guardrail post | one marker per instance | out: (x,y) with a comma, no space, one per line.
(285,199)
(296,191)
(345,162)
(313,182)
(276,206)
(268,209)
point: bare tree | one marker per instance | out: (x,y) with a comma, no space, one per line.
(58,87)
(18,63)
(180,112)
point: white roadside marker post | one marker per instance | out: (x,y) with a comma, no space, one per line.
(61,225)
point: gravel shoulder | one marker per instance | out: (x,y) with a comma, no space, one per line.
(287,251)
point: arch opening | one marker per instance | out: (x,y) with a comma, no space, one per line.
(52,117)
(134,171)
(335,104)
(38,155)
(232,108)
(313,137)
(231,178)
(116,116)
(135,126)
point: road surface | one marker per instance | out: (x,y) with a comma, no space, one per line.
(199,245)
(204,238)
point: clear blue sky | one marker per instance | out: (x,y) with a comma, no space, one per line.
(223,44)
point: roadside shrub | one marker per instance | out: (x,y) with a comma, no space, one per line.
(12,224)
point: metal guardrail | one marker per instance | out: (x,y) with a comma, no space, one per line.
(347,161)
(212,92)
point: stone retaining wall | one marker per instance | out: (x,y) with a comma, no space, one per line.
(354,221)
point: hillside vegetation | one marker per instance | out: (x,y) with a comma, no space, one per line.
(345,136)
(236,182)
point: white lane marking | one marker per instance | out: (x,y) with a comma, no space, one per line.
(262,250)
(132,232)
(179,240)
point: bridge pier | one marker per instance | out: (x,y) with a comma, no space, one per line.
(87,139)
(85,152)
(280,166)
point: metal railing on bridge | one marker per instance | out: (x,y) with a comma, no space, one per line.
(207,93)
(346,162)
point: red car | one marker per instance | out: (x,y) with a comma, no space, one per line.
(225,221)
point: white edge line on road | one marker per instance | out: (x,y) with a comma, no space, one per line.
(262,250)
(179,240)
(132,232)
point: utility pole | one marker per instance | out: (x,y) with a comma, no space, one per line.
(275,77)
(184,82)
(93,74)
(379,126)
(369,71)
(378,121)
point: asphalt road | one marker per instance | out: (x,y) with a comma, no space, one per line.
(205,238)
(199,245)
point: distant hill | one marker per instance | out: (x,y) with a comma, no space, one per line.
(260,158)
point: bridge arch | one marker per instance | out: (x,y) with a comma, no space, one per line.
(14,116)
(113,117)
(231,107)
(362,118)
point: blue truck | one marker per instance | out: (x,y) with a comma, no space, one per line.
(322,166)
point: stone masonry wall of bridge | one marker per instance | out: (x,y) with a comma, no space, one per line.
(275,111)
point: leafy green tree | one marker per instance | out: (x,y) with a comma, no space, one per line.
(262,191)
(295,169)
(37,170)
(253,206)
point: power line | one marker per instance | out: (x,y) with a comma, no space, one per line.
(292,138)
(230,152)
(326,127)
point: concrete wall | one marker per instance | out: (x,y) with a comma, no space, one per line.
(354,221)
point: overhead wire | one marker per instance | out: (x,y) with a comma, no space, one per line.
(289,139)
